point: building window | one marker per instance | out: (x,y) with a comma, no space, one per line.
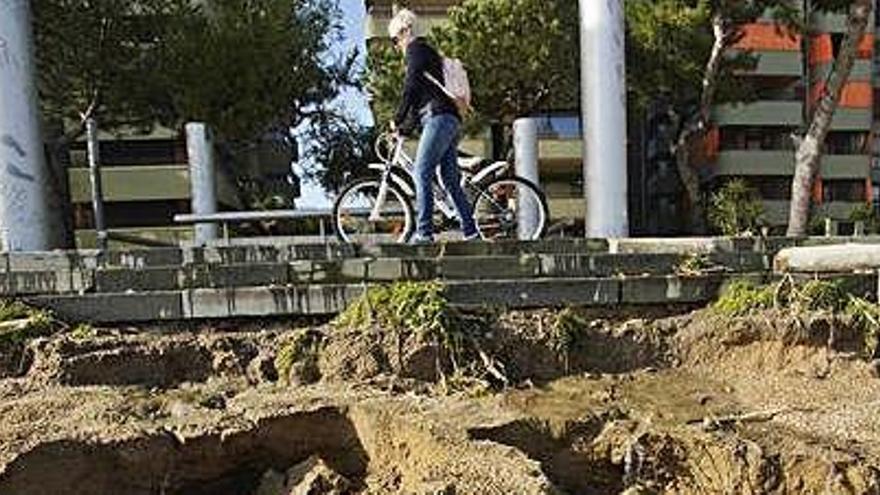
(768,187)
(772,187)
(756,138)
(847,143)
(849,191)
(836,43)
(775,88)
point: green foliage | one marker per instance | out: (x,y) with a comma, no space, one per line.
(866,214)
(386,70)
(693,264)
(342,150)
(422,308)
(817,295)
(413,306)
(303,348)
(13,310)
(248,66)
(519,53)
(97,58)
(564,330)
(668,44)
(817,225)
(866,315)
(742,297)
(83,332)
(829,296)
(243,66)
(23,323)
(736,209)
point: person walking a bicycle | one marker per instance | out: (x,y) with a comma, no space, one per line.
(425,103)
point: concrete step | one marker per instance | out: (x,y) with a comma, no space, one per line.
(328,299)
(144,277)
(331,298)
(358,270)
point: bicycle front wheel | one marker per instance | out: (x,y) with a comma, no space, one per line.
(357,219)
(511,208)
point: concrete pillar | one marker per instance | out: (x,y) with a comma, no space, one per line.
(603,100)
(525,146)
(203,178)
(24,200)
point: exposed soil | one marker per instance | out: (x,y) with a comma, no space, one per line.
(695,403)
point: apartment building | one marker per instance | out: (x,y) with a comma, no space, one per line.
(750,140)
(753,140)
(146,181)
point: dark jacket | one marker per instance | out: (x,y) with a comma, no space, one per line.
(420,95)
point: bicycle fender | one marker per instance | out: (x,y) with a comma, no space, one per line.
(493,169)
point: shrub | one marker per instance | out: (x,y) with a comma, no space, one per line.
(736,209)
(866,214)
(742,297)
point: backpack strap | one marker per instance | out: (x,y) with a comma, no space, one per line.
(463,107)
(440,85)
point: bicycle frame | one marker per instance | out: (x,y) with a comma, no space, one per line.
(399,161)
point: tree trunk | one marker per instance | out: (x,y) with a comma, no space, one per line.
(809,147)
(697,126)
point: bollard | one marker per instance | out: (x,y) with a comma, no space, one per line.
(525,143)
(203,179)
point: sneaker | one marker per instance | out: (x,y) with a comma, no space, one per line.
(472,237)
(417,240)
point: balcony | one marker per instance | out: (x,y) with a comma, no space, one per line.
(144,183)
(781,162)
(755,162)
(776,212)
(829,22)
(766,113)
(862,70)
(133,183)
(852,119)
(776,63)
(846,166)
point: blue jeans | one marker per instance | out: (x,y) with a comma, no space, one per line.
(439,144)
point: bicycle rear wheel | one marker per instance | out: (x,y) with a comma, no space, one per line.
(357,220)
(511,208)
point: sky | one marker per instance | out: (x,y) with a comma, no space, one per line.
(313,195)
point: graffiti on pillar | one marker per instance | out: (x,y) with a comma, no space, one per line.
(11,168)
(11,142)
(8,59)
(5,56)
(12,191)
(16,171)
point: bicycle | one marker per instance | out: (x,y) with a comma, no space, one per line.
(379,209)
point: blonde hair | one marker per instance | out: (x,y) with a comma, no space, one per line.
(404,19)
